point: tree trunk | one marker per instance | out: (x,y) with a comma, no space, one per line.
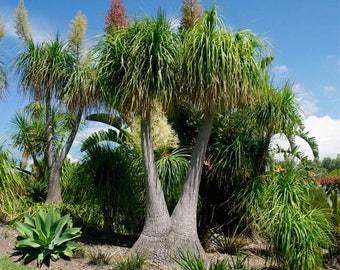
(55,163)
(54,172)
(54,187)
(162,235)
(155,240)
(184,217)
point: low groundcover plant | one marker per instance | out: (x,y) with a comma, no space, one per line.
(46,236)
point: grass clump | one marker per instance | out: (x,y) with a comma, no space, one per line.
(99,257)
(190,261)
(229,243)
(283,210)
(134,262)
(5,263)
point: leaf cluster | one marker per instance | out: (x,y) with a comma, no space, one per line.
(46,236)
(284,211)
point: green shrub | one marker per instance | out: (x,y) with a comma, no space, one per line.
(189,261)
(11,186)
(238,263)
(133,262)
(46,236)
(283,210)
(230,243)
(98,257)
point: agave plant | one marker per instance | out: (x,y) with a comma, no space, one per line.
(46,236)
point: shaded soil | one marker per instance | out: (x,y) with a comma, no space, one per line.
(119,247)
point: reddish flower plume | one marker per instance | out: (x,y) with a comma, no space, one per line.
(116,16)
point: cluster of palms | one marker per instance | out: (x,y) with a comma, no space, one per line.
(204,78)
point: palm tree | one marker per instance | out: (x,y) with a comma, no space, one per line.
(138,66)
(275,112)
(56,73)
(50,73)
(29,135)
(240,149)
(219,72)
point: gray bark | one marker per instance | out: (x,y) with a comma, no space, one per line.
(54,187)
(55,162)
(184,217)
(163,236)
(155,240)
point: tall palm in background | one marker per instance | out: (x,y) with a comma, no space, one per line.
(43,70)
(29,137)
(58,75)
(276,112)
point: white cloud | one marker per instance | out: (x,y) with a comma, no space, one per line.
(326,130)
(175,22)
(330,91)
(72,158)
(90,128)
(329,88)
(75,154)
(280,70)
(306,100)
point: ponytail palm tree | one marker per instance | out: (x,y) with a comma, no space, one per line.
(210,68)
(43,69)
(49,72)
(275,111)
(138,66)
(219,72)
(29,134)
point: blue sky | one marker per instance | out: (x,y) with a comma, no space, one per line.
(305,38)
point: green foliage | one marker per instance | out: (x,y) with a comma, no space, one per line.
(5,263)
(172,166)
(11,186)
(238,263)
(98,257)
(230,243)
(281,207)
(219,69)
(189,261)
(134,262)
(138,64)
(46,236)
(331,164)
